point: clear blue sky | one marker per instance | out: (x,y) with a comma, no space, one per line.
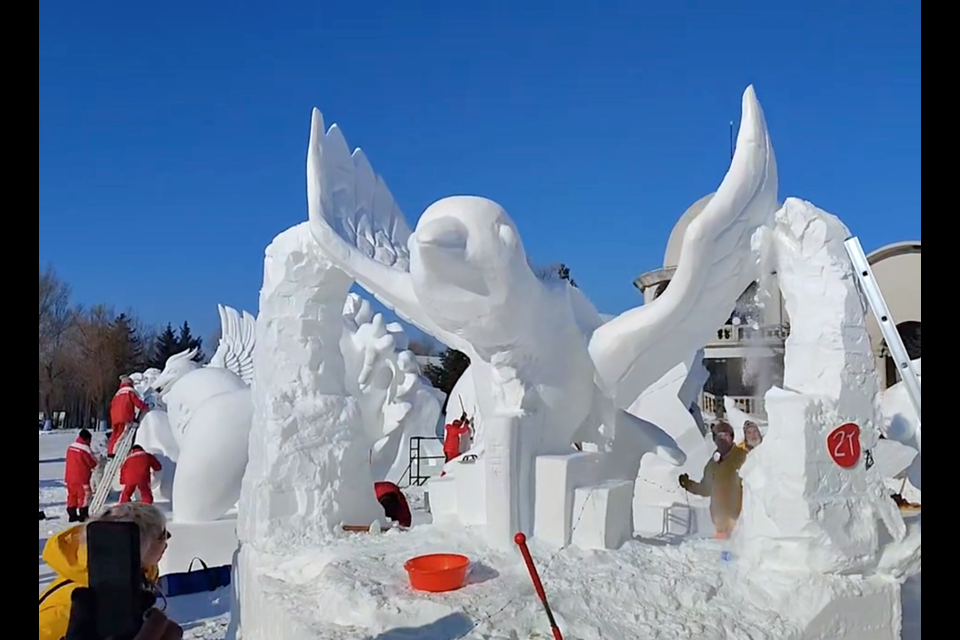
(173,135)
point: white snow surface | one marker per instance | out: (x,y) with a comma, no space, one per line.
(628,595)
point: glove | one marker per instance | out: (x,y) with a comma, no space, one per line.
(685,480)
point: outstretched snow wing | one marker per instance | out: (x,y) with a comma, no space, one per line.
(359,227)
(238,336)
(717,264)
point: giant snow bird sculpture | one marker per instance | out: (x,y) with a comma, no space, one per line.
(544,365)
(210,411)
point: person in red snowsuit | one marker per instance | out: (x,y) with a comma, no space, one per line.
(123,411)
(80,463)
(393,502)
(451,437)
(135,474)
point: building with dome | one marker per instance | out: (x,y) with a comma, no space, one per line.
(746,357)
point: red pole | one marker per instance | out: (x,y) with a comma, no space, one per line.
(521,541)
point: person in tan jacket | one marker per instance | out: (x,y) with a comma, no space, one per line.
(721,481)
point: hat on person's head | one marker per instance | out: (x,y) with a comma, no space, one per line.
(722,427)
(85,435)
(750,424)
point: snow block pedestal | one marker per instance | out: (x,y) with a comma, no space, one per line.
(557,478)
(471,485)
(603,515)
(442,496)
(212,542)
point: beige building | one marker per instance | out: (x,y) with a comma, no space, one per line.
(746,357)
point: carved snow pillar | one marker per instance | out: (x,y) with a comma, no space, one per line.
(308,471)
(801,508)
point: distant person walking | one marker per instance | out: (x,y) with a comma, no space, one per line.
(721,481)
(123,411)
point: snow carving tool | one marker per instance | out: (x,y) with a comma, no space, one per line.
(521,541)
(121,449)
(871,291)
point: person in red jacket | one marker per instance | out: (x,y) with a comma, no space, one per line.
(80,463)
(393,502)
(123,410)
(451,437)
(135,474)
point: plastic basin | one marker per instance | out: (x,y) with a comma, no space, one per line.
(437,572)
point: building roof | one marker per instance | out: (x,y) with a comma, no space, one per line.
(671,257)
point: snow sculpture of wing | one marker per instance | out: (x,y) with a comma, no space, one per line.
(238,335)
(717,263)
(359,227)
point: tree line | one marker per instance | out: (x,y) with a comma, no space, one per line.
(84,351)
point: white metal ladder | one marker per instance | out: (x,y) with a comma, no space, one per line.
(888,327)
(121,449)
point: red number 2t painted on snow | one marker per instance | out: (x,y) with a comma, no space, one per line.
(843,444)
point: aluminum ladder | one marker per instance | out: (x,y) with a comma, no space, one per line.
(121,449)
(870,289)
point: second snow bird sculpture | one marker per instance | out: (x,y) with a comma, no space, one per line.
(544,365)
(210,412)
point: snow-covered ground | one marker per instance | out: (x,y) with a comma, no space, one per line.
(203,616)
(474,612)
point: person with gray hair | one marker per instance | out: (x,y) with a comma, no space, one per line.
(66,554)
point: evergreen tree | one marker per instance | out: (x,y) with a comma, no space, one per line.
(164,346)
(130,352)
(443,377)
(185,341)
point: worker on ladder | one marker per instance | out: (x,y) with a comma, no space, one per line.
(123,412)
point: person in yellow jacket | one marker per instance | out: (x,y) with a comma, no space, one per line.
(721,481)
(66,554)
(751,436)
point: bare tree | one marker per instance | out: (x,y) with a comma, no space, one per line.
(57,317)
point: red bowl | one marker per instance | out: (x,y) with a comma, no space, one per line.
(437,572)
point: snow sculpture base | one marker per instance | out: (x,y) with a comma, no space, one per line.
(355,588)
(213,542)
(557,478)
(442,496)
(603,515)
(800,507)
(461,498)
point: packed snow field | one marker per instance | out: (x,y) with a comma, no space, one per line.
(629,590)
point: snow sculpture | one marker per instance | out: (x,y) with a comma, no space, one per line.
(800,509)
(464,278)
(901,424)
(385,378)
(309,470)
(209,410)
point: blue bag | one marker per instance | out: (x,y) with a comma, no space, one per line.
(195,581)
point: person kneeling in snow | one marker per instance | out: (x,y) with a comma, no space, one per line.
(77,475)
(135,474)
(393,502)
(721,481)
